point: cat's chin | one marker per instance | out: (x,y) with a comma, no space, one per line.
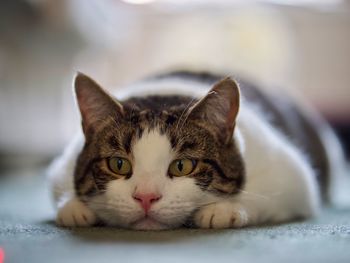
(148,224)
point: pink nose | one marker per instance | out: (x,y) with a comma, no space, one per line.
(146,200)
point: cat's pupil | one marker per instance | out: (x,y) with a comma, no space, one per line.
(119,163)
(180,166)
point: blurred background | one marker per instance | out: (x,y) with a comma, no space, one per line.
(294,46)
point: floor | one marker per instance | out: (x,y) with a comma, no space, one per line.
(28,234)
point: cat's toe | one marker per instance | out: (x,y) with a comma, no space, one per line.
(221,215)
(75,214)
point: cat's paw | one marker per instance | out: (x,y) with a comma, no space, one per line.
(74,213)
(221,215)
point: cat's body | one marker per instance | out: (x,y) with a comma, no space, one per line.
(248,164)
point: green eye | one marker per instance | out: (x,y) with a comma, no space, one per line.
(119,166)
(182,167)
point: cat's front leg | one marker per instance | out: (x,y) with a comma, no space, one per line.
(75,213)
(221,215)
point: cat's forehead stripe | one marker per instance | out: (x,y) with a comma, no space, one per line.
(188,145)
(114,143)
(127,141)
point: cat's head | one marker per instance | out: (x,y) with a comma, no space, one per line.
(151,162)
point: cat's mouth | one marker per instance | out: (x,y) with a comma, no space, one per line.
(148,223)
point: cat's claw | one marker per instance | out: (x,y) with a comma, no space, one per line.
(74,213)
(221,215)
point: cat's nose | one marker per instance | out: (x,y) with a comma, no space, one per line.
(146,199)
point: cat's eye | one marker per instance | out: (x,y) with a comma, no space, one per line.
(119,166)
(182,167)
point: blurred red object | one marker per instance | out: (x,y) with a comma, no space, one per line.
(2,255)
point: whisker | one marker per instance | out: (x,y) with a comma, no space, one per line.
(183,112)
(103,204)
(255,195)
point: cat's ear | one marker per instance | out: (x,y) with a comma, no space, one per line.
(95,104)
(220,107)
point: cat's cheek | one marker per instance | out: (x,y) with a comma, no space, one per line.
(180,199)
(116,207)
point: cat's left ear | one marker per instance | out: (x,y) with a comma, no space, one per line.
(220,108)
(95,104)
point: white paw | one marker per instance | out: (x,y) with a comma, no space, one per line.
(75,213)
(221,215)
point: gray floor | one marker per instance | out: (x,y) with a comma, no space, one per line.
(27,234)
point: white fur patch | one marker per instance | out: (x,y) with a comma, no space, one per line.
(152,156)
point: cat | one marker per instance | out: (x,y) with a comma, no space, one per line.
(190,149)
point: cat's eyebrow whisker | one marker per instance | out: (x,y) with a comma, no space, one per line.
(183,113)
(184,121)
(187,107)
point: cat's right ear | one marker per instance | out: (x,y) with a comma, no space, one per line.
(95,104)
(220,108)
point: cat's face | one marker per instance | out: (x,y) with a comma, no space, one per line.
(150,163)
